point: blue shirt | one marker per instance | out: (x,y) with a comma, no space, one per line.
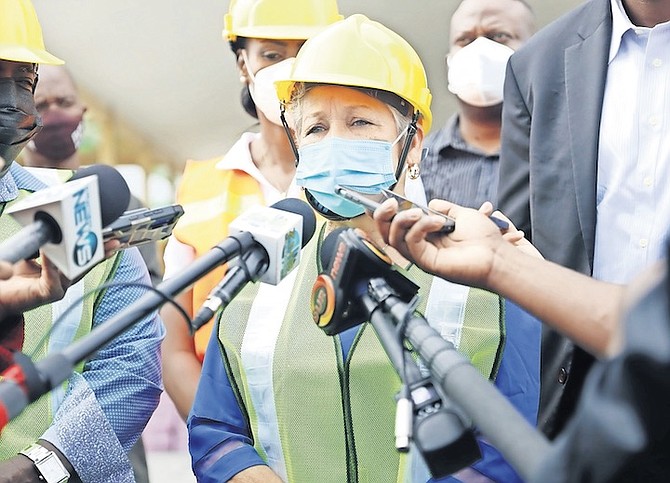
(220,441)
(107,405)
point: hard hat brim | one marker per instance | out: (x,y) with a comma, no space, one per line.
(18,53)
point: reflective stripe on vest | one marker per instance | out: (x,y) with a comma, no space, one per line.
(314,416)
(32,422)
(211,199)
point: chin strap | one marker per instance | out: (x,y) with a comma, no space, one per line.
(411,132)
(288,134)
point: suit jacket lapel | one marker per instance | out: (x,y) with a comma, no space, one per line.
(585,74)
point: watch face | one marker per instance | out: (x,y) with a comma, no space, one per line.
(52,470)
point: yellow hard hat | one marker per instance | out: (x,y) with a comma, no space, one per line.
(21,35)
(278,19)
(359,52)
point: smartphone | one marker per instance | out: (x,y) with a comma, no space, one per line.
(143,225)
(372,201)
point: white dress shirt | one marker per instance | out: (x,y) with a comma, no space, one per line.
(633,193)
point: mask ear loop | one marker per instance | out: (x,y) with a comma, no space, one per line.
(411,131)
(287,130)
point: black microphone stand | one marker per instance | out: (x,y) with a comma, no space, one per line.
(424,415)
(25,381)
(519,442)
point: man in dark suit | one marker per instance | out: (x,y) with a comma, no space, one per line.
(585,157)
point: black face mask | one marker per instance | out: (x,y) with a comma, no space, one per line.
(19,120)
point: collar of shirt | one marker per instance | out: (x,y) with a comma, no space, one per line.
(15,179)
(621,24)
(450,136)
(239,157)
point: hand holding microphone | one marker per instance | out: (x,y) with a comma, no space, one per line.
(67,220)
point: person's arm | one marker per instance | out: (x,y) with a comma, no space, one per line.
(514,164)
(584,309)
(181,366)
(220,441)
(107,406)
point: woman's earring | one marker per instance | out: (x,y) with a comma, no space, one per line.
(413,171)
(243,79)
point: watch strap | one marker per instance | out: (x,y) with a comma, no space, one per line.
(48,465)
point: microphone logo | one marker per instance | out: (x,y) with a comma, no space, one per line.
(87,241)
(290,252)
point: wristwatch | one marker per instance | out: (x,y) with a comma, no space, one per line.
(48,465)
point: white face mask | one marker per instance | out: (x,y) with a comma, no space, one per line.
(262,87)
(477,72)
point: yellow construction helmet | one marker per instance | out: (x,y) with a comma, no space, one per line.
(21,35)
(359,52)
(278,19)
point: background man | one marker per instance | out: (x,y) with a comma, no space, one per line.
(462,161)
(585,157)
(90,422)
(62,111)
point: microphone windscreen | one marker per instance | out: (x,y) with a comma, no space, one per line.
(328,247)
(113,189)
(299,207)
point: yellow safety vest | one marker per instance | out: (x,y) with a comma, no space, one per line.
(314,416)
(36,418)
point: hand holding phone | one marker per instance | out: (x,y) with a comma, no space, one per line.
(143,225)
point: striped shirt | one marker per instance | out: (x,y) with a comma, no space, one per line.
(456,171)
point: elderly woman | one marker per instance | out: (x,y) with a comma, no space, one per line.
(277,398)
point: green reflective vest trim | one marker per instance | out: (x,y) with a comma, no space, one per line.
(334,418)
(27,427)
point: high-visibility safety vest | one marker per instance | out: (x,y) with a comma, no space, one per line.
(316,417)
(211,199)
(41,338)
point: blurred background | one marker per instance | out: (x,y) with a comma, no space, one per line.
(161,83)
(162,87)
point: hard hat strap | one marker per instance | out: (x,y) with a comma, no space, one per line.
(411,132)
(287,129)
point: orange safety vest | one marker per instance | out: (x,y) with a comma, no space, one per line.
(211,199)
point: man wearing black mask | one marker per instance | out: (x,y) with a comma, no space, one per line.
(82,430)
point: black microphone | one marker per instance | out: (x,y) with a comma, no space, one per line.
(24,382)
(67,220)
(277,242)
(518,441)
(343,297)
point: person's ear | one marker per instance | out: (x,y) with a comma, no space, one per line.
(414,154)
(242,67)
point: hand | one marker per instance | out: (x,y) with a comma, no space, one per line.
(6,270)
(512,235)
(31,285)
(18,469)
(465,256)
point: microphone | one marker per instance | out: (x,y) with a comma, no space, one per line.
(279,234)
(349,292)
(66,220)
(518,441)
(352,260)
(24,382)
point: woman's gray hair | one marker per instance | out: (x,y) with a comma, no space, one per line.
(300,90)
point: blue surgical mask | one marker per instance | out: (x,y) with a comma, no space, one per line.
(363,165)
